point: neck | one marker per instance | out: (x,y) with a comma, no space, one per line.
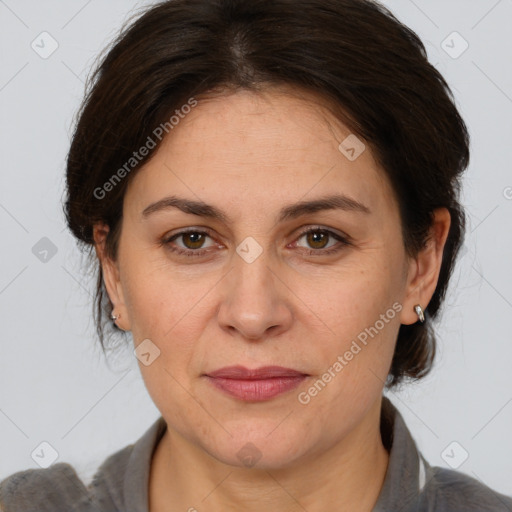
(351,474)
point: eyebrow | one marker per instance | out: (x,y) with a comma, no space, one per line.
(199,208)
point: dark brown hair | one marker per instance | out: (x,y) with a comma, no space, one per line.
(353,53)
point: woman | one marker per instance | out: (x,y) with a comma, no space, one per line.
(271,192)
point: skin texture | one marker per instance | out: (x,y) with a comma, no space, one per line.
(250,155)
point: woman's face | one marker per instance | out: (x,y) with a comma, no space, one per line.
(252,288)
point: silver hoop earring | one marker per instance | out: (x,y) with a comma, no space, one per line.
(420,313)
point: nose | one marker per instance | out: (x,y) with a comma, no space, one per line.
(256,303)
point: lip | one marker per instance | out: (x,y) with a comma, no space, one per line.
(264,372)
(255,385)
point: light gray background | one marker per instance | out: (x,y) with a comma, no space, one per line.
(55,385)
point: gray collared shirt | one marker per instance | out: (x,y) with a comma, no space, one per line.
(121,482)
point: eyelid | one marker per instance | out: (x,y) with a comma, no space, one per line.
(301,232)
(317,227)
(342,238)
(202,230)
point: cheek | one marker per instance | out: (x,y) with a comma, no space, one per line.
(162,298)
(355,299)
(362,312)
(166,308)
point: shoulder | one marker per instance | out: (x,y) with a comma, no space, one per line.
(413,485)
(59,487)
(453,491)
(42,489)
(120,479)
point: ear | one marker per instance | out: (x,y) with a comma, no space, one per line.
(111,277)
(424,268)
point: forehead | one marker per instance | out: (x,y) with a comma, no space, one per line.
(247,149)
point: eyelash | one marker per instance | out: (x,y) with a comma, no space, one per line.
(344,240)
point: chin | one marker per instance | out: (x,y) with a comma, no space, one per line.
(259,449)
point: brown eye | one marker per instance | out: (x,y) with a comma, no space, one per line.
(193,239)
(317,240)
(192,243)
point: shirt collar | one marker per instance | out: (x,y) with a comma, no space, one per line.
(407,471)
(136,482)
